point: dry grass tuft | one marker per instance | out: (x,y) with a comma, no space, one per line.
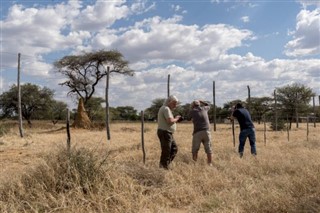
(60,174)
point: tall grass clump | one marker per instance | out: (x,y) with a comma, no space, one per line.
(63,176)
(4,129)
(83,180)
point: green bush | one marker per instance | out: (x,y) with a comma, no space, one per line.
(281,125)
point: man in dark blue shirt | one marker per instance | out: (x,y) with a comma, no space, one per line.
(247,129)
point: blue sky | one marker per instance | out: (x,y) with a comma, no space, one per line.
(263,44)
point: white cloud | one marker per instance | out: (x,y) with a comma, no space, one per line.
(306,39)
(141,6)
(245,19)
(31,66)
(33,31)
(168,40)
(306,3)
(231,73)
(176,8)
(101,15)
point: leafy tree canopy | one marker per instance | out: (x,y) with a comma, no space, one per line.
(259,106)
(127,113)
(151,113)
(94,108)
(84,71)
(33,99)
(294,98)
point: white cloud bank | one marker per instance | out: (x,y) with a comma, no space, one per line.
(193,55)
(306,36)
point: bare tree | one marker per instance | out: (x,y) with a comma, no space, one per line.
(84,71)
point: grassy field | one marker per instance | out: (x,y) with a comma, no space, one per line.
(38,175)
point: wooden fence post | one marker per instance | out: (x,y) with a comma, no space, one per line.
(307,128)
(233,135)
(168,86)
(288,134)
(68,132)
(19,99)
(214,107)
(107,104)
(249,98)
(314,112)
(264,130)
(142,137)
(296,111)
(275,109)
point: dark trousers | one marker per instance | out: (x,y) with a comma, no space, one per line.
(244,134)
(169,148)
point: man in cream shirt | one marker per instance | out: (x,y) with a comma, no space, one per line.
(166,128)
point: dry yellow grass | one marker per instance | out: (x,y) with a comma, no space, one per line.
(284,177)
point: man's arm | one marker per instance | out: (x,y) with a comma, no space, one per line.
(171,120)
(203,103)
(232,111)
(169,117)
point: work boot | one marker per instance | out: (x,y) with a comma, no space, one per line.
(209,159)
(241,154)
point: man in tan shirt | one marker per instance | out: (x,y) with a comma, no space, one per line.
(166,128)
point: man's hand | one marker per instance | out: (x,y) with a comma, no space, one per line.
(173,120)
(181,118)
(178,117)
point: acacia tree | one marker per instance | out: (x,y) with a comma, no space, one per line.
(33,100)
(152,112)
(127,113)
(229,105)
(85,71)
(226,110)
(94,108)
(260,106)
(183,110)
(57,111)
(294,99)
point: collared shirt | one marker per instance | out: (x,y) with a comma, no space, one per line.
(163,115)
(200,118)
